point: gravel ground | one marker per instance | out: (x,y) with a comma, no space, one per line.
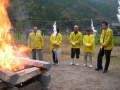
(67,77)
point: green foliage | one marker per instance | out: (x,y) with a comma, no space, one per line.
(97,39)
(117,40)
(73,9)
(45,12)
(20,38)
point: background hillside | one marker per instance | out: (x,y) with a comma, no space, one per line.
(67,12)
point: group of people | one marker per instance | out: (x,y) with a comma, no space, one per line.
(76,39)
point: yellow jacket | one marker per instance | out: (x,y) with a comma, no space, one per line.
(35,41)
(89,43)
(106,39)
(56,41)
(75,38)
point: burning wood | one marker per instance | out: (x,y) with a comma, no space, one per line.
(13,58)
(9,52)
(35,63)
(23,75)
(20,76)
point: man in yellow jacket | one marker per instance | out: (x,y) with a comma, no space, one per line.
(56,43)
(35,41)
(75,40)
(89,46)
(106,41)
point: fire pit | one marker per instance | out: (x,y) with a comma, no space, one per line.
(20,76)
(25,77)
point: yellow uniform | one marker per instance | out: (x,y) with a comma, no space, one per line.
(76,39)
(56,41)
(89,43)
(106,39)
(35,41)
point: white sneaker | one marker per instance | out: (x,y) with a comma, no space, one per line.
(72,63)
(76,64)
(90,66)
(85,65)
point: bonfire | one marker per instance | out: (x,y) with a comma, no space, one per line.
(10,53)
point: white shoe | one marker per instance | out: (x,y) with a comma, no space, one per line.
(76,64)
(90,66)
(85,65)
(72,63)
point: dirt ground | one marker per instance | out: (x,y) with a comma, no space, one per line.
(67,77)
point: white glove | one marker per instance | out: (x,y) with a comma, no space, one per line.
(55,42)
(88,45)
(73,43)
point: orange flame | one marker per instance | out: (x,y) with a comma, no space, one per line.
(8,49)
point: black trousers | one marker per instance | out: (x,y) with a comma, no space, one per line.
(55,60)
(75,52)
(100,57)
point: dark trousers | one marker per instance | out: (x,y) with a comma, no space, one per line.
(75,52)
(100,57)
(55,59)
(37,53)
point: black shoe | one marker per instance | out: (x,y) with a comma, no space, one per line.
(105,71)
(98,69)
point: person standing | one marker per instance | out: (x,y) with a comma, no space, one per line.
(75,40)
(56,43)
(106,41)
(35,41)
(89,47)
